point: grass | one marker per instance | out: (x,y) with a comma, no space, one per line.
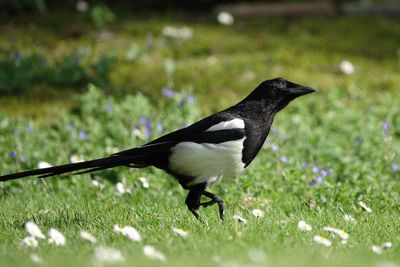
(339,129)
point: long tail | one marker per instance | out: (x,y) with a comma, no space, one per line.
(87,166)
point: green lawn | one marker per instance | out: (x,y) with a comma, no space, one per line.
(350,129)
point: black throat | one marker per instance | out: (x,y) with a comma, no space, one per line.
(258,117)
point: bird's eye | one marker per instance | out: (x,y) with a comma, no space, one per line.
(279,84)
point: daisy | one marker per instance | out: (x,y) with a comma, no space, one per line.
(349,218)
(152,253)
(364,207)
(34,230)
(103,255)
(303,226)
(88,236)
(346,67)
(76,158)
(56,237)
(258,213)
(144,182)
(121,189)
(225,18)
(240,219)
(322,240)
(129,232)
(35,258)
(97,184)
(376,249)
(342,234)
(30,241)
(180,232)
(44,164)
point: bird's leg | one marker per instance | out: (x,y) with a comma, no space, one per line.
(193,202)
(214,199)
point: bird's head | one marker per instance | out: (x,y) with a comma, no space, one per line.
(277,93)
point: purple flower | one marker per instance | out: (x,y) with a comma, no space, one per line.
(312,182)
(147,126)
(160,127)
(395,167)
(16,57)
(315,169)
(385,128)
(283,159)
(149,41)
(13,154)
(28,129)
(324,172)
(168,92)
(274,147)
(70,127)
(43,61)
(190,99)
(318,180)
(22,158)
(145,122)
(108,107)
(82,135)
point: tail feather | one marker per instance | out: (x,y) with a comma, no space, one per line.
(92,165)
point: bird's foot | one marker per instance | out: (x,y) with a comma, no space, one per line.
(214,200)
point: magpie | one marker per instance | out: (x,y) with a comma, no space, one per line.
(200,155)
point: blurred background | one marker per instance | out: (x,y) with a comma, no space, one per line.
(51,50)
(84,79)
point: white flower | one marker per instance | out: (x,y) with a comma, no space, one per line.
(35,258)
(240,219)
(144,182)
(364,206)
(322,240)
(76,159)
(44,164)
(387,245)
(88,236)
(376,249)
(225,18)
(103,255)
(30,241)
(342,234)
(118,229)
(128,231)
(379,250)
(303,226)
(178,33)
(349,218)
(152,253)
(97,184)
(257,255)
(34,230)
(258,213)
(82,6)
(121,189)
(346,67)
(56,237)
(180,232)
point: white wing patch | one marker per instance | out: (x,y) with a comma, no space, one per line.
(226,125)
(207,162)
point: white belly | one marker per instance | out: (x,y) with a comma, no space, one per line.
(206,162)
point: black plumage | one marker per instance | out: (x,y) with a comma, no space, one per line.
(199,155)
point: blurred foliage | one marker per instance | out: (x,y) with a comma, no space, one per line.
(20,71)
(101,15)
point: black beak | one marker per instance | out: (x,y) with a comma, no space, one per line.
(299,90)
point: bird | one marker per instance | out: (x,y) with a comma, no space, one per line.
(200,155)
